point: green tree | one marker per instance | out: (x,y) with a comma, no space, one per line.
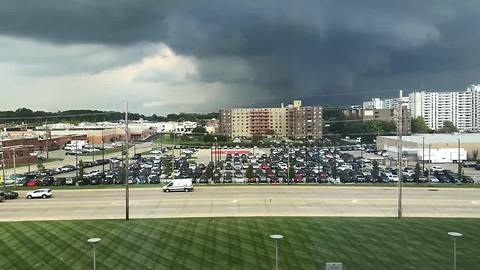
(375,169)
(167,167)
(291,172)
(81,169)
(334,170)
(249,173)
(448,127)
(40,167)
(418,172)
(475,155)
(208,173)
(419,126)
(199,130)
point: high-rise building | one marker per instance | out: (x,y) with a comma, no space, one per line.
(294,121)
(462,108)
(438,107)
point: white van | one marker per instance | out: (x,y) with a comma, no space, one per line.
(179,185)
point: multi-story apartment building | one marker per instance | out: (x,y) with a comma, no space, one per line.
(384,104)
(292,121)
(438,107)
(462,108)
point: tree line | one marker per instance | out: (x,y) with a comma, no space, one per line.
(28,116)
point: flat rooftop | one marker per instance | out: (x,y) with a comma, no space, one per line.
(468,138)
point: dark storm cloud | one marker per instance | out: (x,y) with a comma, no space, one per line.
(287,48)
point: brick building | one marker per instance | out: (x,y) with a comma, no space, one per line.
(293,121)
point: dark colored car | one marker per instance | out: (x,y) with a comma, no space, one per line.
(10,195)
(59,181)
(48,181)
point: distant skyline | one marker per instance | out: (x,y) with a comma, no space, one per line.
(198,56)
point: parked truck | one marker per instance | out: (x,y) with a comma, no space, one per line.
(443,155)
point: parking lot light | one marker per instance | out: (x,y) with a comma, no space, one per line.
(455,235)
(94,242)
(277,238)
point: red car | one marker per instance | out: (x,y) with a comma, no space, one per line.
(34,183)
(265,166)
(252,180)
(298,178)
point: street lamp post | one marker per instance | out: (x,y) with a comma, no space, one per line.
(94,242)
(103,152)
(277,238)
(455,235)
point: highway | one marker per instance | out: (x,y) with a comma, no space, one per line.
(236,201)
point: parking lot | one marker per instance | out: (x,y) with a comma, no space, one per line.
(274,165)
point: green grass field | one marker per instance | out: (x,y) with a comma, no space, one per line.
(241,243)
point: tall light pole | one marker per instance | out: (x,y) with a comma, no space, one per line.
(216,153)
(423,154)
(46,137)
(429,160)
(14,169)
(400,154)
(127,191)
(103,152)
(459,163)
(277,238)
(455,235)
(76,159)
(94,242)
(3,170)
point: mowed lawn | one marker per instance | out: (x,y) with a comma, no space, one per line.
(241,243)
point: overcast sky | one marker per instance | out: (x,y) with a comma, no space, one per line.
(201,55)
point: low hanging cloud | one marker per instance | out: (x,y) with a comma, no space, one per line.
(231,53)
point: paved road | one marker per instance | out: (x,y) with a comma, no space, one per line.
(246,201)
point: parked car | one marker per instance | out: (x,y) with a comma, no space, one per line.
(40,193)
(34,183)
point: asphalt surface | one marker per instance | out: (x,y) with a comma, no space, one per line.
(238,201)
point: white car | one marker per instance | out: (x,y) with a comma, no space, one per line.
(437,169)
(40,193)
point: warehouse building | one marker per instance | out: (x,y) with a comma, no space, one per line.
(444,147)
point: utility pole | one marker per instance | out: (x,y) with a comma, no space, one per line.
(93,151)
(46,136)
(173,156)
(103,152)
(423,154)
(127,191)
(14,169)
(400,154)
(76,159)
(429,160)
(459,163)
(3,171)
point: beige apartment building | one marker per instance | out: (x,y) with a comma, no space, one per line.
(292,121)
